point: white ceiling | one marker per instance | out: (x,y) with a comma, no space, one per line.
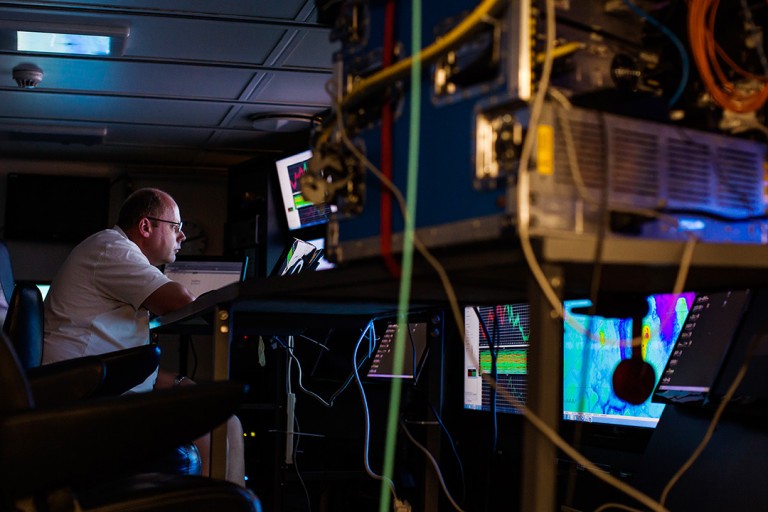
(184,91)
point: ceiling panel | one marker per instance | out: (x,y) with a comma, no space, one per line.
(185,89)
(106,110)
(279,9)
(284,88)
(202,40)
(131,78)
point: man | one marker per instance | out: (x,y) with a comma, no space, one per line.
(104,293)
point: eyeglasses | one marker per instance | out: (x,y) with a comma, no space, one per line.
(176,225)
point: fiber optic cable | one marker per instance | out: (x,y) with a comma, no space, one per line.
(407,259)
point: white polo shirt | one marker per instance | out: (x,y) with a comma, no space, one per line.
(95,302)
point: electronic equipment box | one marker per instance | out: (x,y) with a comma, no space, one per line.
(622,130)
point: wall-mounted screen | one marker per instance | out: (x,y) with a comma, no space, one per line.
(55,208)
(592,348)
(299,212)
(498,339)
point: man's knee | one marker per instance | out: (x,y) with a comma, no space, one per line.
(234,427)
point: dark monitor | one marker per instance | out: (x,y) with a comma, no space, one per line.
(592,348)
(299,213)
(55,208)
(502,331)
(414,339)
(702,347)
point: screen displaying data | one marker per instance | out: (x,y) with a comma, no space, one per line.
(592,348)
(497,338)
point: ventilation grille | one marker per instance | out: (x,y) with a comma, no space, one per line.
(655,165)
(737,180)
(588,143)
(635,169)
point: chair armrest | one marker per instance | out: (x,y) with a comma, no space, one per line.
(128,368)
(66,381)
(42,448)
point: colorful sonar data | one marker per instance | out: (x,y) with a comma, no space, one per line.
(299,212)
(509,329)
(590,359)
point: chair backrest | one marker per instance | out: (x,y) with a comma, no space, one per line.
(15,394)
(24,323)
(6,279)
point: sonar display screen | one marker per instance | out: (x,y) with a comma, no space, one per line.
(592,348)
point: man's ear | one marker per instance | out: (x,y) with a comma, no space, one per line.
(145,227)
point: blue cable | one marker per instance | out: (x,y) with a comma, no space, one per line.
(675,40)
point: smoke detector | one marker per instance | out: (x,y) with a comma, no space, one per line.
(27,75)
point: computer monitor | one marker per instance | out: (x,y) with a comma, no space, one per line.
(414,350)
(35,206)
(704,343)
(299,213)
(43,287)
(297,257)
(592,348)
(323,263)
(204,274)
(503,330)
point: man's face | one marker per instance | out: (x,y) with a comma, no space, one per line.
(166,236)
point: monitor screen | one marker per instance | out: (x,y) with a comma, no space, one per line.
(702,347)
(323,263)
(299,212)
(297,257)
(502,333)
(383,362)
(201,276)
(592,348)
(43,287)
(47,208)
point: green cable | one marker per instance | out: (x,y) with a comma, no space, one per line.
(407,263)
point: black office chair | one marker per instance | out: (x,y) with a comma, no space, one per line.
(6,272)
(56,457)
(24,325)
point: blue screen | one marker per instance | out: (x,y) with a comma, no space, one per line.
(592,348)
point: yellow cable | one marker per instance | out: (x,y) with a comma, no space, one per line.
(428,54)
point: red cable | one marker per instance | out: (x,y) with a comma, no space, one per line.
(385,211)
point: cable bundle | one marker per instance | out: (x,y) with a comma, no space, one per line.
(707,54)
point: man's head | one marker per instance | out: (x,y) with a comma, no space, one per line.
(151,219)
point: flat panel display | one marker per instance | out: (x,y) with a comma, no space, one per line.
(593,346)
(299,212)
(498,337)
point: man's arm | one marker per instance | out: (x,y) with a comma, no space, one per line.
(169,297)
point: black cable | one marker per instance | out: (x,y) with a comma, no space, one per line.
(414,354)
(330,401)
(297,432)
(492,405)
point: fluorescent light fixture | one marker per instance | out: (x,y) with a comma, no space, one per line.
(72,44)
(77,38)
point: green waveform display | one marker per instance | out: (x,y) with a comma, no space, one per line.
(508,362)
(513,323)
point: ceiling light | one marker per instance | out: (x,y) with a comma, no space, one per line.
(282,122)
(60,134)
(72,44)
(62,38)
